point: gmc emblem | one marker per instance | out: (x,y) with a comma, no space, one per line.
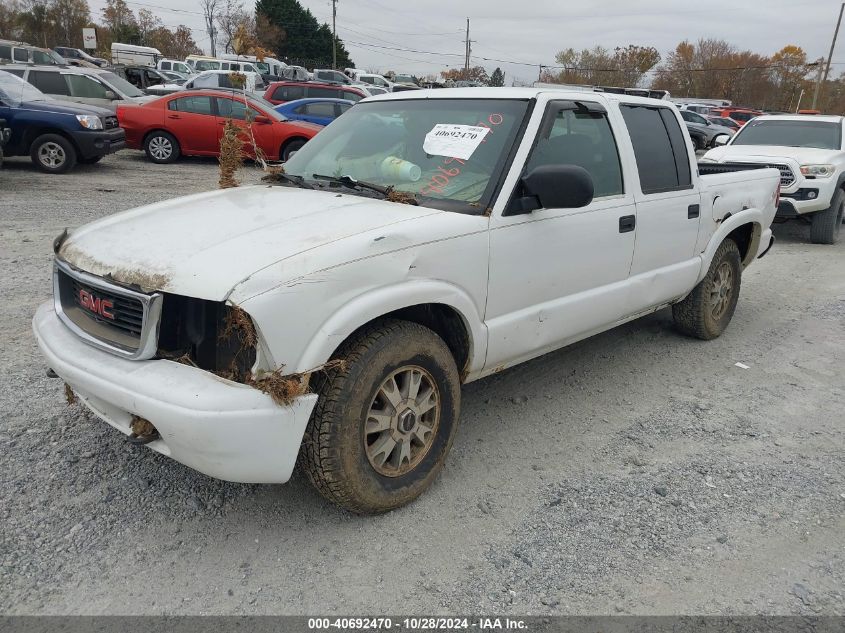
(96,305)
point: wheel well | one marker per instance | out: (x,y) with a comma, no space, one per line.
(288,142)
(743,236)
(445,321)
(33,133)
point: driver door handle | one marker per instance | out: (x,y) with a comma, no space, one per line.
(627,223)
(173,116)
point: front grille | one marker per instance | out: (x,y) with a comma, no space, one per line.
(786,175)
(128,313)
(111,123)
(120,320)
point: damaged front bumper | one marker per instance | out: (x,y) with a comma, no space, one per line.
(218,427)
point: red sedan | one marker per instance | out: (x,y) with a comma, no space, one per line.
(191,123)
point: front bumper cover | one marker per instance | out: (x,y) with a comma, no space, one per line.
(218,427)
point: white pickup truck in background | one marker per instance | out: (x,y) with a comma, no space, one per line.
(809,152)
(423,240)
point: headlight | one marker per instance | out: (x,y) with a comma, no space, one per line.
(89,121)
(818,171)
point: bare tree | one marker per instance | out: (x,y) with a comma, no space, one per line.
(210,11)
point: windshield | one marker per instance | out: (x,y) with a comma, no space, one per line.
(447,150)
(123,87)
(15,90)
(817,134)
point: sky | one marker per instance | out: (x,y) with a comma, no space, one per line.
(424,37)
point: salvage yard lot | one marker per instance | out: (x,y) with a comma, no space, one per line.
(636,472)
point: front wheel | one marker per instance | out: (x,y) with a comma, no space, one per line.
(706,312)
(291,147)
(385,419)
(826,225)
(53,153)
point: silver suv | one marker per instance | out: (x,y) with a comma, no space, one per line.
(23,53)
(81,85)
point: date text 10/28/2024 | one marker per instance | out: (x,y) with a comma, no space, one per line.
(418,624)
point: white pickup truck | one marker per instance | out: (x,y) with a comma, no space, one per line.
(809,152)
(421,241)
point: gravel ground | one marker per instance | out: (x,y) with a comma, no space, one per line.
(636,472)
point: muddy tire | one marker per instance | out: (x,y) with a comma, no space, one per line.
(162,147)
(53,154)
(707,310)
(827,225)
(385,420)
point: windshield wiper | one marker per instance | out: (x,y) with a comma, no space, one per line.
(299,181)
(350,183)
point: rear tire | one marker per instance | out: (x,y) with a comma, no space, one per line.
(53,154)
(706,312)
(162,147)
(827,225)
(385,420)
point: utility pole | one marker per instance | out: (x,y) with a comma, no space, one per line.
(821,80)
(468,49)
(334,34)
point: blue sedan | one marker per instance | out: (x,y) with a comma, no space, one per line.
(319,111)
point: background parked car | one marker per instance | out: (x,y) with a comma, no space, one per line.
(284,91)
(5,133)
(702,132)
(318,111)
(21,53)
(142,77)
(330,76)
(174,65)
(295,73)
(740,115)
(191,123)
(90,86)
(78,54)
(55,134)
(254,84)
(725,121)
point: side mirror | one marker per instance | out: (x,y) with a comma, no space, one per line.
(111,96)
(721,140)
(264,120)
(553,187)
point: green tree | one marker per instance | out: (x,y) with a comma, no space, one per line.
(497,78)
(300,37)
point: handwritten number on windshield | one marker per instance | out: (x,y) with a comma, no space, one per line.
(443,177)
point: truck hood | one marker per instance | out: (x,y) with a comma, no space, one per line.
(759,153)
(65,107)
(203,245)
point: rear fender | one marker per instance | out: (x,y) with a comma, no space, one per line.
(746,216)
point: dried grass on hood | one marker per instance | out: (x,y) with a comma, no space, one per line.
(284,389)
(402,197)
(231,155)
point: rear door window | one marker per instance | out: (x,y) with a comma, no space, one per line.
(48,82)
(320,109)
(21,55)
(165,65)
(193,105)
(322,93)
(659,147)
(289,93)
(84,87)
(5,52)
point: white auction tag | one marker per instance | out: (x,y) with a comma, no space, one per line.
(454,141)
